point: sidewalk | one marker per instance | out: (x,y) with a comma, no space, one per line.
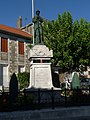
(70,113)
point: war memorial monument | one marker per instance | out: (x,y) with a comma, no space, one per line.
(39,56)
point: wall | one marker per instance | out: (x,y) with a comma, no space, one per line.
(12,59)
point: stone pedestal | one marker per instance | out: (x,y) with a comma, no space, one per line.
(40,67)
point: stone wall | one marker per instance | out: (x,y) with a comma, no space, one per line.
(27,63)
(12,59)
(15,59)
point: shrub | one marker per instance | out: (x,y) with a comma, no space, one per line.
(23,79)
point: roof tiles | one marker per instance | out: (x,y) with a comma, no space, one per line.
(15,31)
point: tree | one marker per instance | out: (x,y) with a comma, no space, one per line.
(57,35)
(81,43)
(69,41)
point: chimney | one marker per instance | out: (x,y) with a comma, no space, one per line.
(19,22)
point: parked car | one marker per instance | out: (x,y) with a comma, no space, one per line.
(85,82)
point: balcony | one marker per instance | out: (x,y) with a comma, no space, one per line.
(21,58)
(4,56)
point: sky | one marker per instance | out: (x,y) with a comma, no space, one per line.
(10,10)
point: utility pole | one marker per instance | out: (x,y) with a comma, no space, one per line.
(32,9)
(32,18)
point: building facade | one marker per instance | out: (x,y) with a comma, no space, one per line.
(13,53)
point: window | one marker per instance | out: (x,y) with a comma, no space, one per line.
(4,44)
(21,69)
(21,47)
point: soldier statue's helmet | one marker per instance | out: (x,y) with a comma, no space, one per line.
(37,12)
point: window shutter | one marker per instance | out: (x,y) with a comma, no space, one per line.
(21,47)
(4,44)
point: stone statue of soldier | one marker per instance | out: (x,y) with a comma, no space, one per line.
(38,32)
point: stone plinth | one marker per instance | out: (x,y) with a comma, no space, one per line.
(40,67)
(39,51)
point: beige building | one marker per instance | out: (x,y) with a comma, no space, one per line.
(13,53)
(27,28)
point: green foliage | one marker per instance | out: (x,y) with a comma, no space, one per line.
(70,41)
(30,46)
(23,79)
(81,42)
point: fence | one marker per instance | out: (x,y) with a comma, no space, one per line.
(41,99)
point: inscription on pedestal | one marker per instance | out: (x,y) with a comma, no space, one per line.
(42,77)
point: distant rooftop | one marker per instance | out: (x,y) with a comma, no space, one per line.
(14,31)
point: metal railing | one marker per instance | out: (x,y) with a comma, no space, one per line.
(41,99)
